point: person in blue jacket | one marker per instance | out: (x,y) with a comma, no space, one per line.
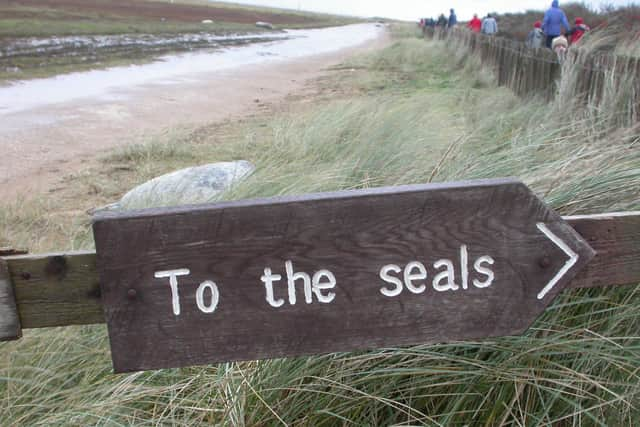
(554,20)
(453,19)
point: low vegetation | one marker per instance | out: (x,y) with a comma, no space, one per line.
(414,112)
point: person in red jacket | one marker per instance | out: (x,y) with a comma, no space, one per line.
(475,24)
(578,31)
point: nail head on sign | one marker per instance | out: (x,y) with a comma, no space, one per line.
(545,262)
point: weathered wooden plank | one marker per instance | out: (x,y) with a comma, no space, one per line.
(45,300)
(56,289)
(9,320)
(616,239)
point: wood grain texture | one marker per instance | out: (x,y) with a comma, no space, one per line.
(9,321)
(56,289)
(353,234)
(44,300)
(616,239)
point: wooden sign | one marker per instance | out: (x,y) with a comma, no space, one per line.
(330,272)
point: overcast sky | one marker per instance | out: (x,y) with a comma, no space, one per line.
(415,9)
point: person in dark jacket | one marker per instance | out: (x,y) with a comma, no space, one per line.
(453,19)
(554,21)
(578,31)
(442,21)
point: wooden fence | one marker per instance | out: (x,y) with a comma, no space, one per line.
(602,79)
(523,70)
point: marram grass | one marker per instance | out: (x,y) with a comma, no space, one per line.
(417,114)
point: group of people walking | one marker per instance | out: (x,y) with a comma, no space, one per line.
(549,31)
(442,22)
(553,31)
(488,25)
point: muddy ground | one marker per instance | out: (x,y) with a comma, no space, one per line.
(152,10)
(40,38)
(24,58)
(42,146)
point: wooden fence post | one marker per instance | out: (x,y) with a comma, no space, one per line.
(10,328)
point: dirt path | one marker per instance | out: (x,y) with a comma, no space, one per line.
(40,146)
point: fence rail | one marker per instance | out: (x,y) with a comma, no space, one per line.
(63,289)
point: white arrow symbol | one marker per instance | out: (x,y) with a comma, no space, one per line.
(573,258)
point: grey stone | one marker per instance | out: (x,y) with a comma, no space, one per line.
(200,184)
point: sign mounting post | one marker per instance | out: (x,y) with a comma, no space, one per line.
(330,272)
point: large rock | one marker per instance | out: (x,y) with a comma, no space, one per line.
(194,185)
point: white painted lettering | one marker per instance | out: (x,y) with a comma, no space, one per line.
(215,296)
(268,278)
(318,286)
(464,265)
(384,275)
(449,275)
(173,282)
(409,276)
(291,281)
(484,270)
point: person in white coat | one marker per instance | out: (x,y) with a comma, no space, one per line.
(489,25)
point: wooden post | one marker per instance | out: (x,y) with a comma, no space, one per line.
(549,76)
(540,63)
(636,89)
(9,321)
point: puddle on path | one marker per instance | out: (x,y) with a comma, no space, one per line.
(103,84)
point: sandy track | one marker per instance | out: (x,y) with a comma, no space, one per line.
(40,146)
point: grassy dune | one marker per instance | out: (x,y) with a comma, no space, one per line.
(412,113)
